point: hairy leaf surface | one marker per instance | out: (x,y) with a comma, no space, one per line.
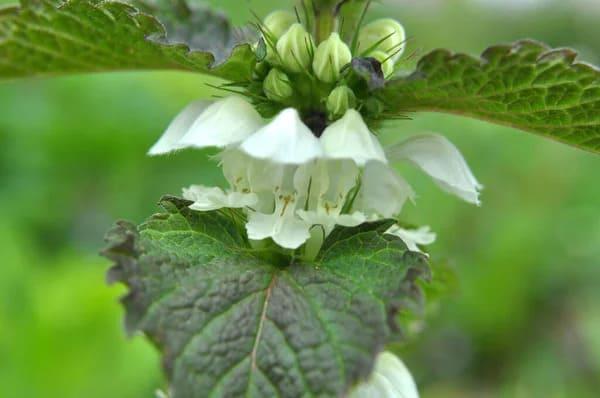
(231,323)
(525,85)
(42,37)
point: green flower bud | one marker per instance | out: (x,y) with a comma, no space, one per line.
(385,35)
(260,70)
(387,64)
(340,100)
(277,86)
(278,22)
(296,48)
(331,56)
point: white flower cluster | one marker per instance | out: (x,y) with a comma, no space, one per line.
(296,187)
(295,178)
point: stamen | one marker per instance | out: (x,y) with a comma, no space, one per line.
(287,200)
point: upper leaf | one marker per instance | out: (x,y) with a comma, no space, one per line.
(45,38)
(230,323)
(525,85)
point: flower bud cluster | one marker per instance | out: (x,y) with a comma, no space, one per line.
(305,74)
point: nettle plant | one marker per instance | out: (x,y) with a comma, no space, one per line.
(293,279)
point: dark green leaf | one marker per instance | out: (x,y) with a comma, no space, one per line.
(230,323)
(525,85)
(43,38)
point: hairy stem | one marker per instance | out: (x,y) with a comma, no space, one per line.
(325,20)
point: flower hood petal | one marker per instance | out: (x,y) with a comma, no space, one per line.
(286,140)
(226,122)
(170,140)
(350,138)
(390,379)
(439,158)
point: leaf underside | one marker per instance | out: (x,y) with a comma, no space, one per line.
(42,38)
(525,85)
(230,324)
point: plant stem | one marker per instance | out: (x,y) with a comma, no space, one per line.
(325,21)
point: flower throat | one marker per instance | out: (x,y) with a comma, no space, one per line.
(316,121)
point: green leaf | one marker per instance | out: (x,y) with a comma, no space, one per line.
(525,85)
(42,38)
(231,323)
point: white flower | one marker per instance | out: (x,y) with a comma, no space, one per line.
(330,183)
(413,238)
(281,224)
(171,139)
(436,156)
(296,187)
(390,379)
(214,198)
(224,123)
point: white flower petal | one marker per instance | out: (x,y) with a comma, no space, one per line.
(439,158)
(283,226)
(214,198)
(226,122)
(390,379)
(285,140)
(413,238)
(351,220)
(344,175)
(383,192)
(169,141)
(350,138)
(288,232)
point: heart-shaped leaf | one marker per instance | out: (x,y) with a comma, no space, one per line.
(230,321)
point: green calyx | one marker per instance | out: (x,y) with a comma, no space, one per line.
(310,65)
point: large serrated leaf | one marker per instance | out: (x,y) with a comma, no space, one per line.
(232,324)
(42,38)
(525,85)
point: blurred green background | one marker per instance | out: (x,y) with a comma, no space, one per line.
(524,320)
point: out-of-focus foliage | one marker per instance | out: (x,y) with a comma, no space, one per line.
(523,322)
